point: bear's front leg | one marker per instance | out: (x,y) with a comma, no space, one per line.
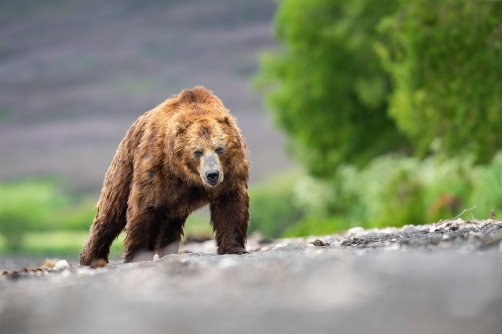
(142,228)
(230,220)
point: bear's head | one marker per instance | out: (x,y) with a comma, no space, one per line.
(209,149)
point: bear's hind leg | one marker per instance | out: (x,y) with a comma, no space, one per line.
(171,232)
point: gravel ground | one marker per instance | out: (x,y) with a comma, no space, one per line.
(441,278)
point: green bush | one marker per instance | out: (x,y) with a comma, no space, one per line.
(487,190)
(445,61)
(26,206)
(395,191)
(35,206)
(326,86)
(272,208)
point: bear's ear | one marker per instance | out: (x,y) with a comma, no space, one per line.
(224,120)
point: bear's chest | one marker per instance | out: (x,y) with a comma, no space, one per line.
(186,199)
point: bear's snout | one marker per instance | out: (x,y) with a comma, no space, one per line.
(212,176)
(211,172)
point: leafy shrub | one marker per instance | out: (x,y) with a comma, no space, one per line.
(272,208)
(394,191)
(36,205)
(444,58)
(326,86)
(26,206)
(487,190)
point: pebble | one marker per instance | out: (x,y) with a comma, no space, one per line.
(61,264)
(346,242)
(354,231)
(410,229)
(318,243)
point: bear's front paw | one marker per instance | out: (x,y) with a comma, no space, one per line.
(238,251)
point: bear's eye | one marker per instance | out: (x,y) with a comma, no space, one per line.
(197,154)
(219,150)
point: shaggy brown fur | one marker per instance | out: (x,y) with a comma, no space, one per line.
(176,158)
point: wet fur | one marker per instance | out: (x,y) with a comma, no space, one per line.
(154,181)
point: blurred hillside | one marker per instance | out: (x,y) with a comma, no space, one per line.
(74,75)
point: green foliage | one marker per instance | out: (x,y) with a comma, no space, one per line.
(396,191)
(25,206)
(36,205)
(59,243)
(487,190)
(434,67)
(327,87)
(445,60)
(311,226)
(272,208)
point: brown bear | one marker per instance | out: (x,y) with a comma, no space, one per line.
(176,158)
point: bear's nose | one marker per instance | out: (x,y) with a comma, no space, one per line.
(212,176)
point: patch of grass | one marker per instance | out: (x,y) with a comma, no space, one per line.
(58,243)
(197,224)
(272,205)
(3,244)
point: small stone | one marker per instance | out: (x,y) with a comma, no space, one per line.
(443,225)
(409,229)
(355,231)
(459,221)
(318,243)
(445,237)
(156,257)
(346,242)
(61,264)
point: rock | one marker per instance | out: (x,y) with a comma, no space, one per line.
(319,243)
(355,231)
(410,229)
(346,242)
(61,264)
(49,263)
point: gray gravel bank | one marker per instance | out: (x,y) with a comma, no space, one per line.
(443,278)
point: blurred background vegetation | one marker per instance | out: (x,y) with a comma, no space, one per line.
(391,109)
